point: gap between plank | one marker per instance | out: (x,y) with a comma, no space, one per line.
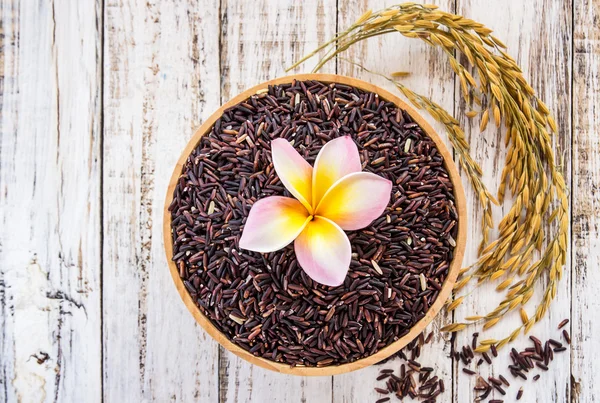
(571,197)
(101,14)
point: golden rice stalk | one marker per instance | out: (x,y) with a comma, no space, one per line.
(490,323)
(454,327)
(454,304)
(397,74)
(524,317)
(538,218)
(504,284)
(482,349)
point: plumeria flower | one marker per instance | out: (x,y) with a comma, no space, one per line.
(331,197)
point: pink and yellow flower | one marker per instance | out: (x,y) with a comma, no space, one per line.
(330,197)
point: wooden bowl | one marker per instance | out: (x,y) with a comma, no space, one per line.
(455,265)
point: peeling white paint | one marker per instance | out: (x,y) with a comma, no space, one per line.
(32,327)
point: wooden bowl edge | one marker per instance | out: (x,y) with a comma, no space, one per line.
(434,309)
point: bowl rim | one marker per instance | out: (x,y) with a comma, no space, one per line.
(455,264)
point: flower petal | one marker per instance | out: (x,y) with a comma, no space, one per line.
(356,200)
(323,251)
(273,223)
(337,158)
(293,171)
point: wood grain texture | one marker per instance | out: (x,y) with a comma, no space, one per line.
(431,76)
(50,319)
(538,36)
(586,202)
(161,80)
(89,136)
(259,40)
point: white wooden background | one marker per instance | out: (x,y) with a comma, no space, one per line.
(98,98)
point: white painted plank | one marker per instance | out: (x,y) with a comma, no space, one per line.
(586,202)
(50,133)
(538,36)
(260,39)
(161,80)
(430,76)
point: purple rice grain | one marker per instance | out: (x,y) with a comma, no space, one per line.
(414,379)
(542,366)
(499,389)
(486,393)
(566,336)
(555,343)
(518,373)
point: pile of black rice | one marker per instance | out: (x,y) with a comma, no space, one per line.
(265,303)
